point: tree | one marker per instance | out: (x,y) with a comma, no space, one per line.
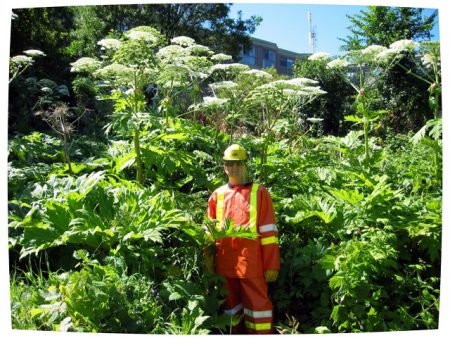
(207,23)
(46,29)
(379,25)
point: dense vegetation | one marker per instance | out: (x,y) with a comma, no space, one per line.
(107,212)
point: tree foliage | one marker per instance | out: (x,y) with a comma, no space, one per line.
(331,107)
(379,25)
(209,24)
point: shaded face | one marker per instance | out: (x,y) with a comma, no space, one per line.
(235,169)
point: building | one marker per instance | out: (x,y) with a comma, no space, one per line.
(264,54)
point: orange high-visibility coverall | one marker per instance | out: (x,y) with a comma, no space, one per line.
(243,261)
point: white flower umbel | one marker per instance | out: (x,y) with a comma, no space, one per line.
(212,100)
(221,57)
(115,70)
(230,67)
(258,73)
(386,55)
(296,94)
(34,53)
(141,35)
(373,50)
(404,45)
(209,102)
(109,43)
(85,64)
(47,90)
(337,64)
(199,50)
(184,41)
(302,81)
(223,85)
(319,56)
(428,60)
(173,84)
(294,84)
(314,119)
(171,52)
(313,91)
(22,59)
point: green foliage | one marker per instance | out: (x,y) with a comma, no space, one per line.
(331,107)
(381,25)
(359,216)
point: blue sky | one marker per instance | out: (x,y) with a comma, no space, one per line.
(287,24)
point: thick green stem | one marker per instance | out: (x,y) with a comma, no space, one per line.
(137,150)
(66,147)
(366,137)
(66,154)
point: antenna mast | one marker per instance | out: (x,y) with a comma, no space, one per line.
(312,37)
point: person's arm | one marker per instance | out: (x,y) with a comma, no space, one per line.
(211,212)
(269,236)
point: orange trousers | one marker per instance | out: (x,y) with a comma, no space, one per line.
(248,296)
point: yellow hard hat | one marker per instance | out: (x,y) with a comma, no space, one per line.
(235,153)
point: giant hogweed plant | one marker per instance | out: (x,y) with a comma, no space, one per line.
(253,96)
(361,69)
(276,100)
(226,96)
(427,58)
(136,67)
(18,64)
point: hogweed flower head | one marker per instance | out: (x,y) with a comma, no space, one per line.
(223,85)
(230,67)
(85,64)
(115,70)
(404,45)
(373,50)
(294,84)
(302,81)
(171,52)
(199,50)
(34,52)
(386,55)
(314,119)
(210,102)
(22,59)
(429,60)
(109,43)
(258,73)
(141,35)
(184,41)
(337,64)
(221,57)
(319,56)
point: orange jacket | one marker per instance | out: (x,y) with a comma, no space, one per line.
(242,257)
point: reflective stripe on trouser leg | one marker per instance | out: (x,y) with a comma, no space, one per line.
(257,305)
(233,304)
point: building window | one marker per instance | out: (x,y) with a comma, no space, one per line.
(249,56)
(268,58)
(286,62)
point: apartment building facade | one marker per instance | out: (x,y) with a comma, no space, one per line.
(263,54)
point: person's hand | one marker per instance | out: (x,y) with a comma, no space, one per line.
(271,275)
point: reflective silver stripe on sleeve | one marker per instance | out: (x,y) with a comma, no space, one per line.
(267,228)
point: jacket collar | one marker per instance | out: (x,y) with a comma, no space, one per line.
(239,186)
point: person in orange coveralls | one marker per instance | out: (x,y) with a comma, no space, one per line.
(247,264)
